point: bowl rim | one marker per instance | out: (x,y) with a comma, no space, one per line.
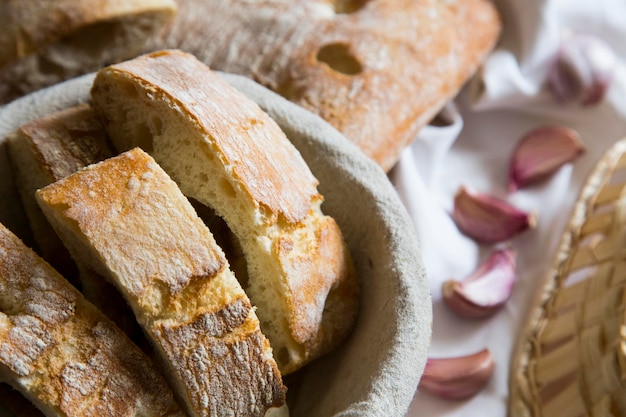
(397,367)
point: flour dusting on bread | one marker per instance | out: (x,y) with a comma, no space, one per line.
(62,353)
(378,71)
(127,220)
(225,152)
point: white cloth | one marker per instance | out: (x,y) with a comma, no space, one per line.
(504,101)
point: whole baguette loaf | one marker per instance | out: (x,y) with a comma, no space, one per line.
(377,70)
(62,353)
(125,219)
(43,42)
(44,151)
(225,152)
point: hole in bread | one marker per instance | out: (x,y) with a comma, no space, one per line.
(143,137)
(227,188)
(348,6)
(339,58)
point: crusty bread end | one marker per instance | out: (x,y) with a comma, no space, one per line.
(225,152)
(62,353)
(130,223)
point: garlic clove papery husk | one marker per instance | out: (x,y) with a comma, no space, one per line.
(541,152)
(583,70)
(488,219)
(457,378)
(486,290)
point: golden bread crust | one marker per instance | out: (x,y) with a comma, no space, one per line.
(108,203)
(226,153)
(129,222)
(62,353)
(67,141)
(278,180)
(46,150)
(323,269)
(378,71)
(235,361)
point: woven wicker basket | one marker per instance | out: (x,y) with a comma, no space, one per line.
(571,358)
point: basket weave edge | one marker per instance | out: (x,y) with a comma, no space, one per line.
(520,400)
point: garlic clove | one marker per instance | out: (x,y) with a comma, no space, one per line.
(541,152)
(488,219)
(486,290)
(457,378)
(582,71)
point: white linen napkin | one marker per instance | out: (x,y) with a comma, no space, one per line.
(505,100)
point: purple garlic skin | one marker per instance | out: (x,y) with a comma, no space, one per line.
(457,378)
(488,219)
(486,290)
(541,152)
(582,71)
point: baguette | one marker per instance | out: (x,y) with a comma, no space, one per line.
(47,150)
(126,220)
(43,42)
(225,152)
(61,353)
(378,71)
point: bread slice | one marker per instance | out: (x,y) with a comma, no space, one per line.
(43,42)
(44,151)
(61,353)
(225,152)
(126,220)
(378,71)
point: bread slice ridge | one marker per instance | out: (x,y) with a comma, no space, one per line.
(126,220)
(62,353)
(46,150)
(225,152)
(378,71)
